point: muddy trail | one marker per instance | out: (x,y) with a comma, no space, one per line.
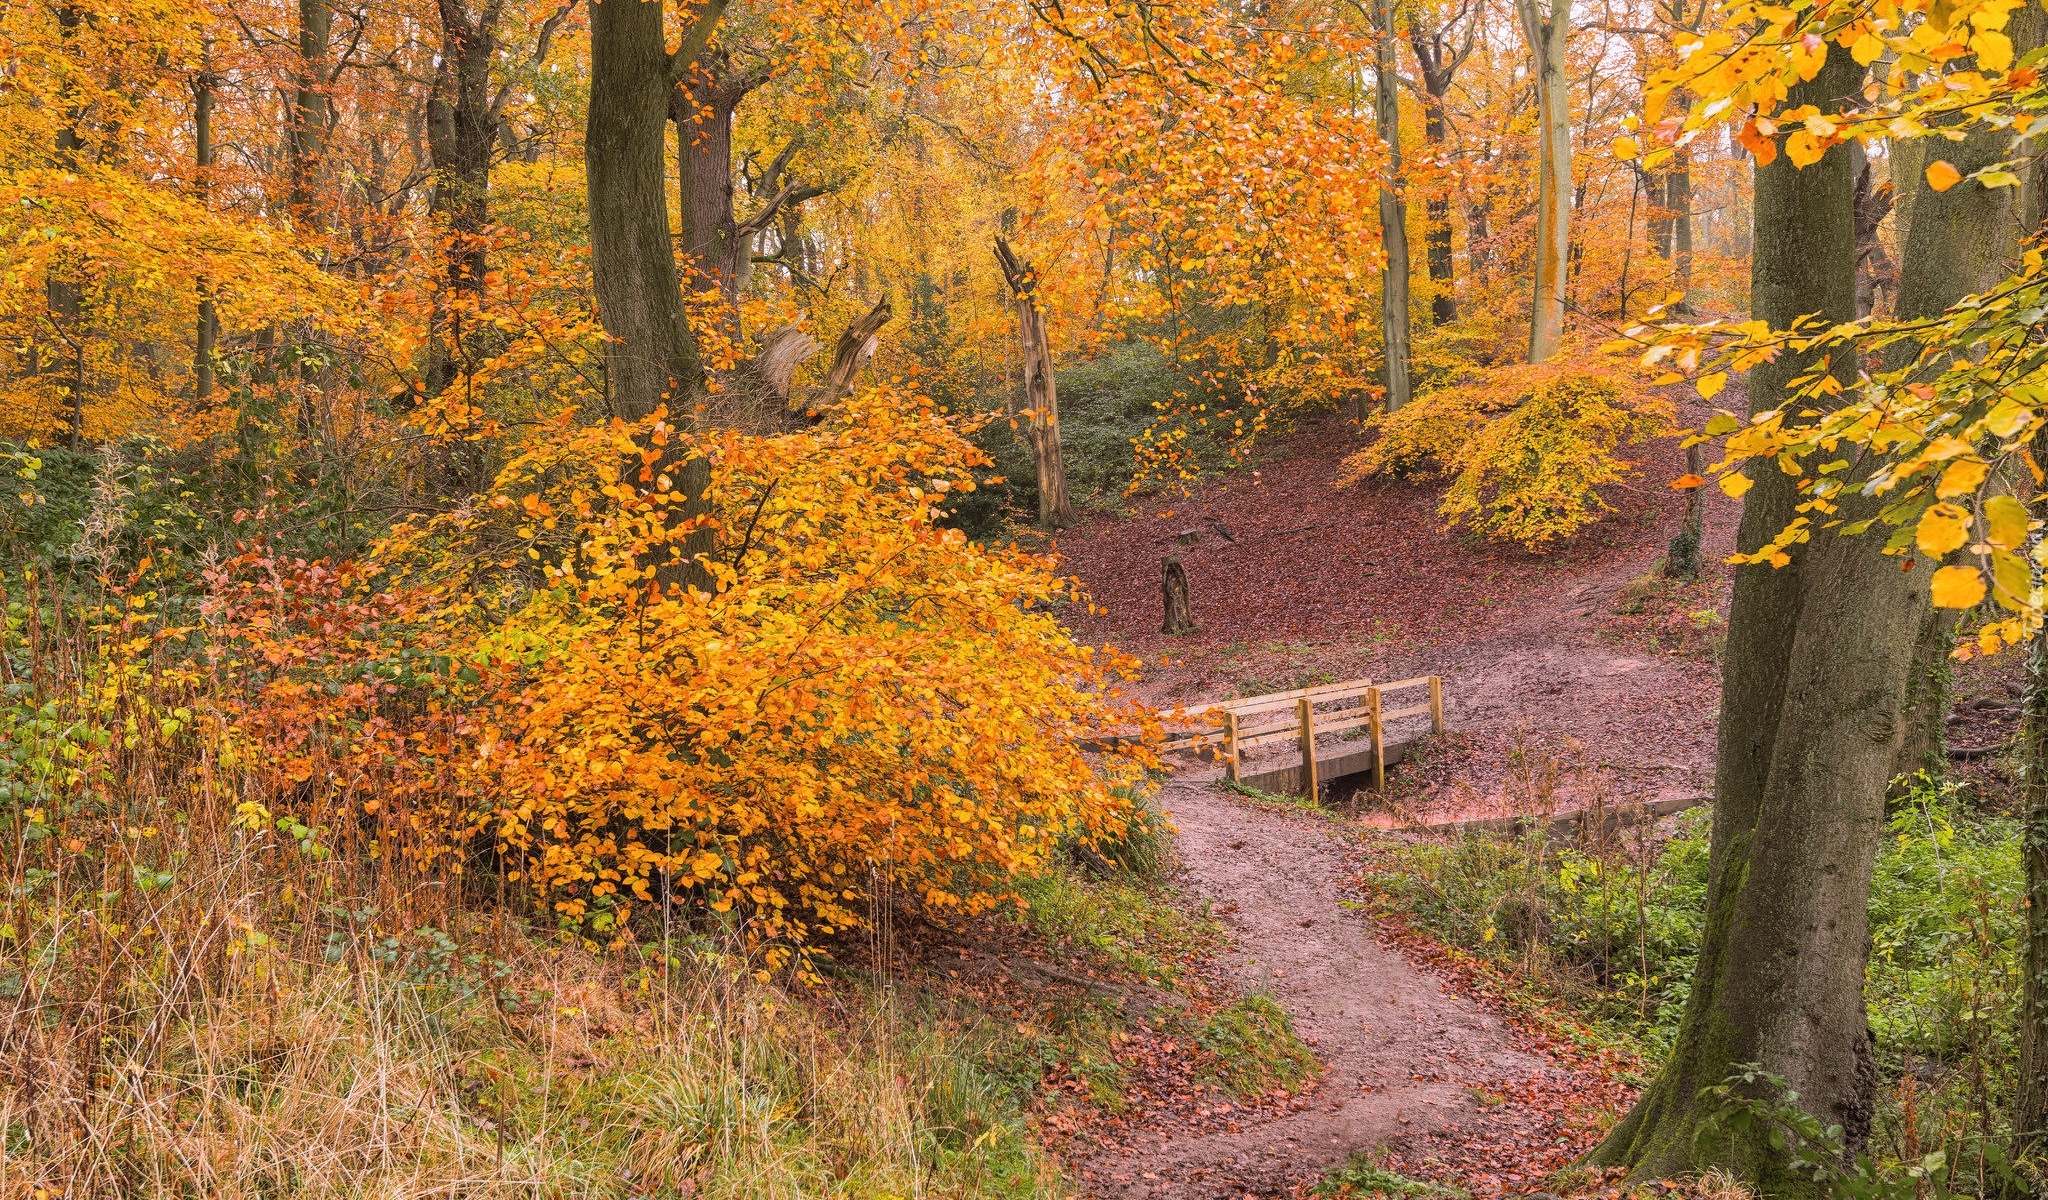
(1306,585)
(1410,1067)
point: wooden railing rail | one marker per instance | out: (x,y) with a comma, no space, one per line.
(1291,716)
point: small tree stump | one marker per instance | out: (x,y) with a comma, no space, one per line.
(1173,595)
(1682,560)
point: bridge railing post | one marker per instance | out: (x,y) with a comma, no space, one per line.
(1379,741)
(1230,761)
(1306,709)
(1436,704)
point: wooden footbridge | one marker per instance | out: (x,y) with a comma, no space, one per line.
(1299,717)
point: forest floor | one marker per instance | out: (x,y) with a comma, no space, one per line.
(1318,584)
(1571,659)
(1564,673)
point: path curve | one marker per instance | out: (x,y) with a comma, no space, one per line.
(1275,878)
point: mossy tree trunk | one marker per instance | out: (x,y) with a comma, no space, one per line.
(1812,690)
(1957,243)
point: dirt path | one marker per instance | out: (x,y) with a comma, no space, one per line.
(1276,879)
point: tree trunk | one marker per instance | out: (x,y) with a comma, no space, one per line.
(1546,34)
(702,109)
(461,135)
(1437,250)
(855,346)
(309,117)
(1960,242)
(651,358)
(1437,63)
(2030,1104)
(1041,396)
(1174,600)
(1682,560)
(64,287)
(207,336)
(1813,682)
(1393,217)
(1678,201)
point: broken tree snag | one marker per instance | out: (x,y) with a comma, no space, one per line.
(1041,397)
(855,346)
(1173,595)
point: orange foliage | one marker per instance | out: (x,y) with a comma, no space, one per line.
(867,702)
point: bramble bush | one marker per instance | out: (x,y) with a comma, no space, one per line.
(1526,447)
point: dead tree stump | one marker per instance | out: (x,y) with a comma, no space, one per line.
(1173,595)
(1682,561)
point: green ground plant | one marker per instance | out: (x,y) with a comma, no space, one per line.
(1613,929)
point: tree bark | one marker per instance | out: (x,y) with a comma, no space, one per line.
(1682,560)
(207,336)
(855,346)
(1438,64)
(1960,242)
(1813,684)
(2030,1102)
(462,133)
(64,286)
(1041,396)
(651,356)
(1174,600)
(1394,328)
(1546,34)
(1678,202)
(309,116)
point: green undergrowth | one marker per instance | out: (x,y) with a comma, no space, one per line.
(1610,934)
(1361,1176)
(1133,926)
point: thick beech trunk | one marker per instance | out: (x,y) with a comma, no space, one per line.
(651,357)
(1959,242)
(1394,328)
(1812,689)
(1041,396)
(1546,34)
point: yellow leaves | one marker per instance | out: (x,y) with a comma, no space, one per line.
(1709,386)
(1958,587)
(1942,530)
(1734,484)
(1867,49)
(2005,523)
(1961,478)
(1625,148)
(1803,148)
(2012,580)
(1941,176)
(1993,50)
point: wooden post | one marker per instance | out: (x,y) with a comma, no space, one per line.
(1230,746)
(1306,708)
(1436,704)
(1379,742)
